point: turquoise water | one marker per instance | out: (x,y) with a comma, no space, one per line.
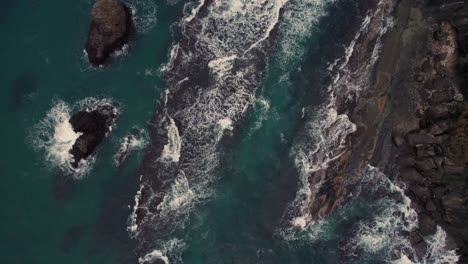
(49,218)
(84,221)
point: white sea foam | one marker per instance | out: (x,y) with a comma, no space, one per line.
(168,249)
(326,131)
(262,107)
(387,233)
(171,151)
(180,195)
(229,41)
(129,143)
(437,252)
(55,136)
(132,227)
(297,26)
(144,14)
(388,230)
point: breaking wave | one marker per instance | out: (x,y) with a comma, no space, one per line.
(137,139)
(211,78)
(55,136)
(326,132)
(387,234)
(144,13)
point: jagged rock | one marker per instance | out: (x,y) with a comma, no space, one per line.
(421,137)
(454,170)
(421,192)
(434,176)
(452,204)
(424,151)
(438,112)
(420,249)
(94,126)
(415,238)
(425,164)
(439,128)
(406,161)
(111,24)
(412,175)
(430,206)
(442,96)
(427,225)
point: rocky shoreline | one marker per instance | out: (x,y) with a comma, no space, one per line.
(411,120)
(417,131)
(432,145)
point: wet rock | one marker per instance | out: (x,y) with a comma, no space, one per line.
(398,140)
(427,225)
(434,176)
(406,161)
(420,137)
(424,151)
(440,127)
(421,192)
(111,25)
(412,175)
(438,112)
(425,164)
(442,96)
(430,206)
(454,170)
(453,205)
(415,238)
(420,249)
(94,126)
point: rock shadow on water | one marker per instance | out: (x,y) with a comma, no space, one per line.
(72,237)
(63,187)
(20,90)
(111,236)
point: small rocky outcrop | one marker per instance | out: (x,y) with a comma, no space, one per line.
(111,25)
(94,125)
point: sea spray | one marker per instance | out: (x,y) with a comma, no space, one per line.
(136,140)
(326,131)
(211,77)
(55,136)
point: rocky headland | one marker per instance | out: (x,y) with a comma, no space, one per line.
(110,29)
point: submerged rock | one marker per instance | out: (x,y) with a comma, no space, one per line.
(94,125)
(111,24)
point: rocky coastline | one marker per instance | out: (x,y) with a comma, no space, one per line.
(418,130)
(432,145)
(411,120)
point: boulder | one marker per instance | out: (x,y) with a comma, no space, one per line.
(439,127)
(438,112)
(421,192)
(425,164)
(424,151)
(94,126)
(427,225)
(420,137)
(411,175)
(111,25)
(420,249)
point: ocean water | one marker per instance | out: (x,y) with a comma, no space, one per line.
(243,217)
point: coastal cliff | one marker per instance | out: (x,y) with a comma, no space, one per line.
(412,121)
